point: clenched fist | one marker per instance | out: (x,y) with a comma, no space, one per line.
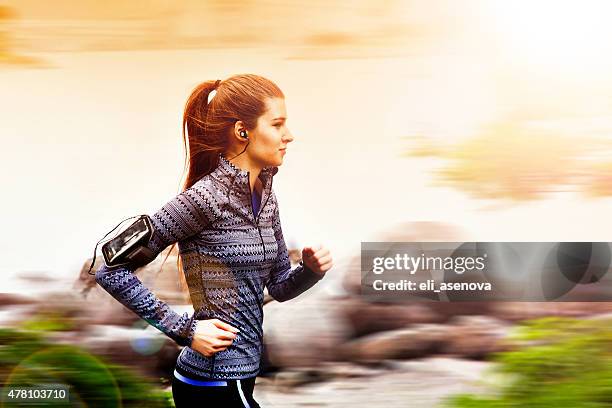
(212,336)
(317,259)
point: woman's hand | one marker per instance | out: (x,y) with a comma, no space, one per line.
(212,336)
(317,259)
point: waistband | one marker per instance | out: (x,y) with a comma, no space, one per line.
(211,383)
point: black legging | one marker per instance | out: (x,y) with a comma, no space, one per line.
(236,394)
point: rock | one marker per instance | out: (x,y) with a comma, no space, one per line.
(366,318)
(63,306)
(415,341)
(339,369)
(476,336)
(69,307)
(289,379)
(13,299)
(326,371)
(448,310)
(149,351)
(98,309)
(304,331)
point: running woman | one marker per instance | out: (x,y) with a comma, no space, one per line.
(227,226)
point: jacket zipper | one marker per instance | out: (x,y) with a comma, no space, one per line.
(256,216)
(261,207)
(264,204)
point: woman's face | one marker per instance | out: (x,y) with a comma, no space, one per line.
(269,139)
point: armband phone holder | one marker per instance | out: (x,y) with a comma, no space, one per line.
(130,246)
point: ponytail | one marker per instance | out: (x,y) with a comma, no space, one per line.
(201,148)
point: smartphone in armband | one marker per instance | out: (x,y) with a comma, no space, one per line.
(131,245)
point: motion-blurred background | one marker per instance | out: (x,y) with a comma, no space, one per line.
(483,120)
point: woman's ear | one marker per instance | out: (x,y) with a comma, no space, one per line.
(240,131)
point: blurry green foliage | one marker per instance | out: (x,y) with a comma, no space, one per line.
(26,358)
(568,363)
(52,321)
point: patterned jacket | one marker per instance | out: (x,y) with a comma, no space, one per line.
(229,255)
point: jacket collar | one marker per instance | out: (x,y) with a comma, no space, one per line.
(231,174)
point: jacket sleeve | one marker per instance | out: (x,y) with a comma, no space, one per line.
(286,283)
(185,215)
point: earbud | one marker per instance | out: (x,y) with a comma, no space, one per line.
(243,134)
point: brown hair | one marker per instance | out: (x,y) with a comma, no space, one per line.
(207,127)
